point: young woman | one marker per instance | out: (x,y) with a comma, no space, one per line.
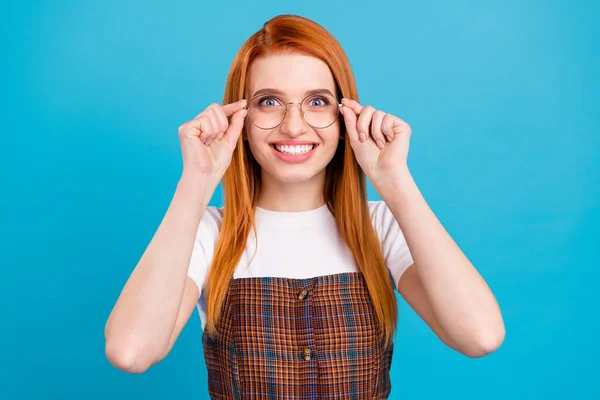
(294,277)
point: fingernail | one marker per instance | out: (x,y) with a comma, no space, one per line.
(380,144)
(363,137)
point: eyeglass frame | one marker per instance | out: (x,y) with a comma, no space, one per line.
(247,107)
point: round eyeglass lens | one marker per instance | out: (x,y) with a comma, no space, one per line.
(266,112)
(320,111)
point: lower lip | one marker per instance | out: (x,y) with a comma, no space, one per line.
(291,158)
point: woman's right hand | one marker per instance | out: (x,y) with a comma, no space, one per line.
(208,141)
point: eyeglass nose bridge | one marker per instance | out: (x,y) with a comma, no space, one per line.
(287,107)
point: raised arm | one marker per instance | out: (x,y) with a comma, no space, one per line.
(158,298)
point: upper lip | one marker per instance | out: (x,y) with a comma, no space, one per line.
(293,142)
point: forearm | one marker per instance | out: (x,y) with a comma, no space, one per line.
(144,316)
(461,300)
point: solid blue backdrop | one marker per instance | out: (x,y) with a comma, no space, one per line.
(502,98)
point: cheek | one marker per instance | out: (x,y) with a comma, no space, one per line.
(331,135)
(257,144)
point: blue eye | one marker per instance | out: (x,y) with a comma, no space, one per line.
(318,102)
(269,101)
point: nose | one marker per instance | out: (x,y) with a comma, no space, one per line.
(293,122)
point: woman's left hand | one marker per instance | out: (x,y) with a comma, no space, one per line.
(380,141)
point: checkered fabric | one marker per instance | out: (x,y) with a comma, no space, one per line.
(283,338)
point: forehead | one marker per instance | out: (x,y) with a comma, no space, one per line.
(293,74)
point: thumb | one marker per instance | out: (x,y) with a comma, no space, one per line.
(350,121)
(235,127)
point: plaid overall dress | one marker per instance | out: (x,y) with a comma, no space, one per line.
(285,338)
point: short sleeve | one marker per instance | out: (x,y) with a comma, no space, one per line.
(393,244)
(204,245)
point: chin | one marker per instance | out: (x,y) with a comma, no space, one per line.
(300,175)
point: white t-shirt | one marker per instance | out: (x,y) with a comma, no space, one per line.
(296,245)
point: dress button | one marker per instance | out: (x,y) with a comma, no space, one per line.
(307,353)
(302,294)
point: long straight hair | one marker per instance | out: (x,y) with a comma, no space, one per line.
(345,189)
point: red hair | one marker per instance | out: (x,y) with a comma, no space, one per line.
(345,189)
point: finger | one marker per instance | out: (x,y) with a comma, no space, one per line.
(216,124)
(350,122)
(376,128)
(210,127)
(364,120)
(198,125)
(232,108)
(401,127)
(353,105)
(387,126)
(222,124)
(235,127)
(221,119)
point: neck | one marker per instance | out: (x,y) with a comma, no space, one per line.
(291,196)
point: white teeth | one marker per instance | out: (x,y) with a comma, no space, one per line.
(294,149)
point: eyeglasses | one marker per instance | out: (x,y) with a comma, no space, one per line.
(317,110)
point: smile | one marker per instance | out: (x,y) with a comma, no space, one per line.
(294,150)
(294,153)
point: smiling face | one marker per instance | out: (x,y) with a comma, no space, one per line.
(293,151)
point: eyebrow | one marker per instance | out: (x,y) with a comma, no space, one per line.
(280,93)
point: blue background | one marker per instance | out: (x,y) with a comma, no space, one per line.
(503,101)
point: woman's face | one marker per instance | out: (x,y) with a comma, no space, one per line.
(294,151)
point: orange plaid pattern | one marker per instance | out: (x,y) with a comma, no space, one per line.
(284,338)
